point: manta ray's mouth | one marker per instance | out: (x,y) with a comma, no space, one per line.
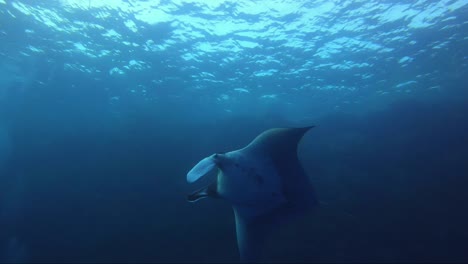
(197,195)
(207,191)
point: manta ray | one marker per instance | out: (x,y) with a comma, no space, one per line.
(264,182)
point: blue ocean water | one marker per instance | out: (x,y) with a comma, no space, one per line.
(106,105)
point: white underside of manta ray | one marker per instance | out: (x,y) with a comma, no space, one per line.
(264,182)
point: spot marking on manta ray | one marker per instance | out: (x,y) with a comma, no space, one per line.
(258,179)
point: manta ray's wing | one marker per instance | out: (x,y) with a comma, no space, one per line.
(252,232)
(281,146)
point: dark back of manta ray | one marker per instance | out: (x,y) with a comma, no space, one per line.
(281,146)
(297,187)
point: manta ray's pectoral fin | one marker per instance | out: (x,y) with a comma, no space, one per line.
(252,232)
(250,237)
(207,191)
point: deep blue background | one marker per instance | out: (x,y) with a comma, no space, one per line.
(94,188)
